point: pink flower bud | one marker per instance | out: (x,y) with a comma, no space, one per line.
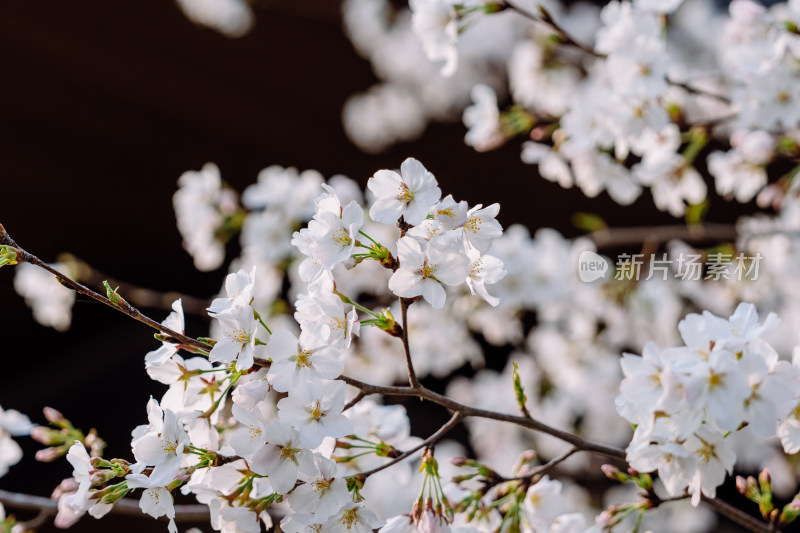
(53,416)
(48,455)
(741,484)
(46,436)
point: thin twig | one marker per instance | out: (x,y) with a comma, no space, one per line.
(358,397)
(122,306)
(698,92)
(412,376)
(542,469)
(433,439)
(37,521)
(545,18)
(125,506)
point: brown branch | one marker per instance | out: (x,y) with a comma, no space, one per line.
(542,469)
(138,295)
(614,237)
(433,439)
(125,506)
(37,521)
(740,517)
(122,306)
(466,411)
(358,397)
(544,17)
(579,444)
(412,376)
(698,92)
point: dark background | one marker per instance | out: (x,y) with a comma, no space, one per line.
(104,104)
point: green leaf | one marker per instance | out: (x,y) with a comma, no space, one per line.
(519,391)
(588,222)
(696,213)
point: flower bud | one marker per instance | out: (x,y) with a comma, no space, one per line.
(99,462)
(48,455)
(764,478)
(790,512)
(46,436)
(387,450)
(99,477)
(614,473)
(55,417)
(741,485)
(389,325)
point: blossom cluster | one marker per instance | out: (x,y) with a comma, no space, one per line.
(254,421)
(685,401)
(570,357)
(258,423)
(617,99)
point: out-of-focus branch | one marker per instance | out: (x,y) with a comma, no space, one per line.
(545,18)
(614,237)
(740,517)
(48,507)
(139,296)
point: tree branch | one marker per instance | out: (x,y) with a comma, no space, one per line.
(138,295)
(740,517)
(466,411)
(433,439)
(122,306)
(126,506)
(544,17)
(617,237)
(542,469)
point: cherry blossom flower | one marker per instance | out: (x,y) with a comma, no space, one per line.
(410,194)
(316,411)
(239,287)
(483,120)
(310,359)
(323,493)
(163,450)
(352,518)
(435,23)
(174,322)
(283,457)
(423,273)
(155,499)
(481,227)
(238,340)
